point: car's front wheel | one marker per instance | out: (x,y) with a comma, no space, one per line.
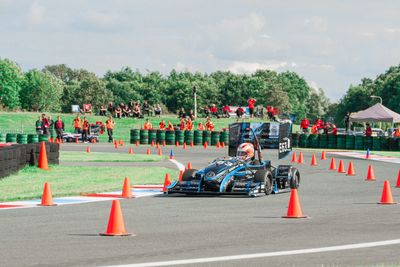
(189,175)
(295,180)
(264,177)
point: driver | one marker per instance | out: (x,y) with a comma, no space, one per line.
(245,152)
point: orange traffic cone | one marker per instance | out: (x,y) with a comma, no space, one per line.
(294,158)
(222,144)
(116,225)
(176,143)
(180,175)
(51,140)
(294,209)
(167,182)
(137,143)
(43,163)
(130,150)
(333,165)
(218,144)
(370,174)
(76,140)
(350,169)
(191,144)
(148,151)
(47,198)
(164,143)
(205,145)
(398,179)
(115,144)
(184,145)
(386,194)
(313,160)
(189,166)
(126,189)
(152,143)
(341,167)
(323,155)
(88,149)
(158,145)
(159,152)
(301,159)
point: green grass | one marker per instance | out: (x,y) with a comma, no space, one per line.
(73,156)
(72,180)
(24,122)
(395,154)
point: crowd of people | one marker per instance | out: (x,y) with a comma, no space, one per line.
(186,124)
(132,109)
(319,127)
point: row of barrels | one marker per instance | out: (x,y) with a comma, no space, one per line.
(22,138)
(350,142)
(170,137)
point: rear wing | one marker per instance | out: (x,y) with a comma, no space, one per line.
(268,135)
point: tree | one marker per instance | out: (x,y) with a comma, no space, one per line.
(11,78)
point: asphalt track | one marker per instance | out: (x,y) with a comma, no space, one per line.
(342,208)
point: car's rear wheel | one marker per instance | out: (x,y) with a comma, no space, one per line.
(295,180)
(189,175)
(265,177)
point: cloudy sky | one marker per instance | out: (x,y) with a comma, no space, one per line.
(332,44)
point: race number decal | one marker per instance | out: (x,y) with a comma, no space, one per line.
(285,137)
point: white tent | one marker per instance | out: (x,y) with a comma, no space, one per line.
(376,113)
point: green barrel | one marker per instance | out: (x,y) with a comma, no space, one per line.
(313,141)
(341,141)
(11,138)
(332,141)
(376,143)
(198,137)
(22,138)
(43,138)
(303,140)
(207,137)
(180,136)
(295,139)
(3,138)
(224,137)
(152,135)
(189,137)
(160,136)
(349,141)
(33,138)
(384,143)
(323,141)
(368,143)
(144,136)
(359,142)
(170,137)
(135,135)
(215,137)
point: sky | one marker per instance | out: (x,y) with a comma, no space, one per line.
(332,44)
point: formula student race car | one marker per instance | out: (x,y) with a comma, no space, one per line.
(238,175)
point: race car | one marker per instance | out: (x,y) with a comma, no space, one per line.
(244,174)
(94,131)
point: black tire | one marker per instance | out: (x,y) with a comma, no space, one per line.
(265,177)
(295,180)
(188,175)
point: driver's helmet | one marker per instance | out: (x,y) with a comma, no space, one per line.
(245,151)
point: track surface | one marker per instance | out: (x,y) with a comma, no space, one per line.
(343,211)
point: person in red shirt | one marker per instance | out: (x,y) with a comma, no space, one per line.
(147,125)
(189,124)
(59,126)
(85,129)
(333,129)
(161,125)
(305,123)
(200,126)
(209,125)
(368,130)
(270,112)
(182,126)
(225,111)
(239,112)
(170,126)
(251,102)
(214,111)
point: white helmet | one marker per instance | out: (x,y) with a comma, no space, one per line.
(245,151)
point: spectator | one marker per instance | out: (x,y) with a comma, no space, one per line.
(225,111)
(396,132)
(191,115)
(305,123)
(147,125)
(85,129)
(126,111)
(38,126)
(51,127)
(157,110)
(239,112)
(146,108)
(214,111)
(161,125)
(368,130)
(333,129)
(110,127)
(45,125)
(314,129)
(270,112)
(181,113)
(209,125)
(200,126)
(251,102)
(182,125)
(111,108)
(118,112)
(77,124)
(136,112)
(189,124)
(206,111)
(59,126)
(131,104)
(170,126)
(103,111)
(347,121)
(275,111)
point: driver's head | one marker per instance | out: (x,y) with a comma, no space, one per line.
(245,151)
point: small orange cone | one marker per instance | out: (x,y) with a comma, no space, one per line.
(130,150)
(341,167)
(159,152)
(116,225)
(167,182)
(184,145)
(137,143)
(94,140)
(294,209)
(51,140)
(152,143)
(115,144)
(176,143)
(180,175)
(398,179)
(205,145)
(333,165)
(323,155)
(313,160)
(301,159)
(126,189)
(148,151)
(43,163)
(218,144)
(189,166)
(386,194)
(88,149)
(191,144)
(164,143)
(158,145)
(47,198)
(350,169)
(370,174)
(76,140)
(294,158)
(222,144)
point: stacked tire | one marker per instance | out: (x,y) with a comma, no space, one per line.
(161,136)
(180,136)
(152,136)
(189,137)
(207,137)
(135,136)
(33,138)
(144,136)
(11,138)
(43,138)
(170,137)
(215,137)
(198,137)
(341,141)
(22,138)
(224,137)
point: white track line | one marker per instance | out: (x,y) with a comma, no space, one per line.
(179,165)
(265,255)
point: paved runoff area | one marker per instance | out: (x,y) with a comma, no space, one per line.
(346,226)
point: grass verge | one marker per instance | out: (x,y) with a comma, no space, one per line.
(73,181)
(72,156)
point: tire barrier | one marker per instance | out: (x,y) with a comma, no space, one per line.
(43,138)
(198,138)
(135,136)
(332,141)
(170,137)
(341,141)
(161,136)
(17,156)
(322,140)
(224,137)
(144,136)
(152,136)
(3,138)
(22,138)
(11,138)
(189,137)
(207,137)
(180,136)
(215,138)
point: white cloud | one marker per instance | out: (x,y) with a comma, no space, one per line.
(251,67)
(316,23)
(367,34)
(392,30)
(36,13)
(102,19)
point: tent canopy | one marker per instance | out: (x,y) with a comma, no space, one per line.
(376,113)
